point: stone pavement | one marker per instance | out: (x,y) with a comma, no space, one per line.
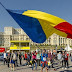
(4,68)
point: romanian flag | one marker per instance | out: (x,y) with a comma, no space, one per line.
(40,25)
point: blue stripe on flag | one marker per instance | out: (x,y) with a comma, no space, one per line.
(30,25)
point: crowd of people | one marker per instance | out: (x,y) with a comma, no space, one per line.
(44,58)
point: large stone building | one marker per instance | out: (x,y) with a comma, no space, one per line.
(11,33)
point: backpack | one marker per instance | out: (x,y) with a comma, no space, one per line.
(14,56)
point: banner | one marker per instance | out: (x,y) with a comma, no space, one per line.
(2,49)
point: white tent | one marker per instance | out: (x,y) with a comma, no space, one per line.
(68,48)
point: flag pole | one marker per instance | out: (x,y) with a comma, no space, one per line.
(2,5)
(38,46)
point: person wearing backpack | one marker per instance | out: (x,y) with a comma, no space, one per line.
(12,61)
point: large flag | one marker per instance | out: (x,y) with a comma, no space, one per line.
(40,25)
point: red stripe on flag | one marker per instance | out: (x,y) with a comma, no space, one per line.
(69,36)
(65,27)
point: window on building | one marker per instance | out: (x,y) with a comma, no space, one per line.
(49,40)
(71,42)
(61,40)
(27,38)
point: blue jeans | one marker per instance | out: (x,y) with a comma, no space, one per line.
(35,66)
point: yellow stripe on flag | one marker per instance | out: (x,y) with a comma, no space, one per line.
(49,30)
(53,20)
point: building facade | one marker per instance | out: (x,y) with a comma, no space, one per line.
(11,33)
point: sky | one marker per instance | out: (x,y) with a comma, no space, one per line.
(60,8)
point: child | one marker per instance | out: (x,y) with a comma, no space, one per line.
(49,62)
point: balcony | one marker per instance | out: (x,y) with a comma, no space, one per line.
(20,45)
(19,48)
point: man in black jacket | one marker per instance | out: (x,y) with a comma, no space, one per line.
(20,58)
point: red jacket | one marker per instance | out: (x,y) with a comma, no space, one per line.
(25,55)
(66,57)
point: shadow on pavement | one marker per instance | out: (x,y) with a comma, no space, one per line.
(66,71)
(26,68)
(61,67)
(70,66)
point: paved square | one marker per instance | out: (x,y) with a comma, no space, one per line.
(4,68)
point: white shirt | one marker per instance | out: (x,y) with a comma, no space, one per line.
(59,56)
(4,55)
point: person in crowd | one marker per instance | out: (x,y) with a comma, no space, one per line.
(20,58)
(66,60)
(52,59)
(38,58)
(70,57)
(49,55)
(55,54)
(25,56)
(47,52)
(70,54)
(5,57)
(30,55)
(12,60)
(59,57)
(28,59)
(49,62)
(16,61)
(34,61)
(44,63)
(8,59)
(63,59)
(61,48)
